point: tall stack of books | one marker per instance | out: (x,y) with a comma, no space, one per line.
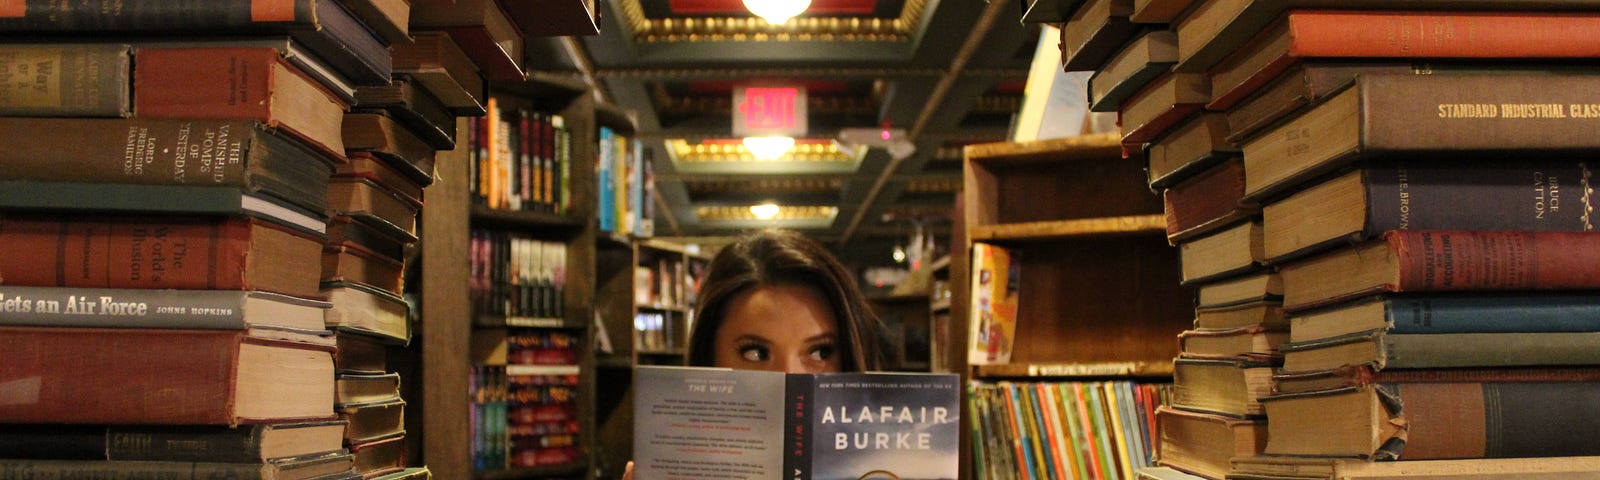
(1408,191)
(165,199)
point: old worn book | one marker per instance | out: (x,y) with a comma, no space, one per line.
(1303,83)
(366,388)
(1538,193)
(1195,143)
(78,198)
(160,376)
(1256,287)
(1165,473)
(372,234)
(1096,31)
(1425,114)
(1135,66)
(375,135)
(262,314)
(412,107)
(1252,341)
(434,60)
(1222,253)
(360,353)
(1228,387)
(1484,312)
(1443,260)
(243,154)
(187,253)
(238,84)
(1303,34)
(65,80)
(1312,468)
(1428,421)
(413,473)
(483,30)
(1207,201)
(1201,443)
(352,263)
(188,443)
(369,311)
(332,465)
(1161,105)
(373,420)
(1382,349)
(391,175)
(379,457)
(390,19)
(1267,313)
(291,49)
(325,27)
(361,197)
(1363,375)
(1213,29)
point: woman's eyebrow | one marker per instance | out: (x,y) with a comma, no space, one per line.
(749,337)
(822,337)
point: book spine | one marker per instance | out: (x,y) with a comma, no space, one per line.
(1210,199)
(1355,33)
(1489,350)
(123,308)
(153,15)
(1555,312)
(129,151)
(83,80)
(116,252)
(1499,420)
(1478,112)
(1442,260)
(57,442)
(798,417)
(206,83)
(1542,194)
(60,375)
(239,444)
(101,470)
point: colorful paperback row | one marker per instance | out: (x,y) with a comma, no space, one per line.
(1044,430)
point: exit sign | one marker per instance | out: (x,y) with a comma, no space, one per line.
(769,111)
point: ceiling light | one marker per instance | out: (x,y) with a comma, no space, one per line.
(764,211)
(777,12)
(768,148)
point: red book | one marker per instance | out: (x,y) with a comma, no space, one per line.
(1304,34)
(185,253)
(237,84)
(1206,202)
(160,376)
(1443,260)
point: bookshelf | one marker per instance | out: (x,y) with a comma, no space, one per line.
(1099,302)
(647,319)
(907,316)
(455,336)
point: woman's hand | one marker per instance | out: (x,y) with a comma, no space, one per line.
(627,472)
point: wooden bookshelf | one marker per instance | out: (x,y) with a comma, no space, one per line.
(450,323)
(1099,283)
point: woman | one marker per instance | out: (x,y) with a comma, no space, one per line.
(775,300)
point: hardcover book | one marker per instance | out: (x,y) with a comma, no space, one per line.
(374,136)
(1222,253)
(329,466)
(1353,376)
(1542,193)
(1441,261)
(1161,105)
(1208,201)
(1096,30)
(1229,387)
(757,425)
(242,154)
(1302,34)
(188,253)
(369,311)
(1428,421)
(186,443)
(1425,115)
(435,61)
(190,201)
(263,314)
(1186,149)
(1202,443)
(1131,69)
(483,30)
(996,284)
(1314,468)
(1481,312)
(413,107)
(371,202)
(65,80)
(160,376)
(238,84)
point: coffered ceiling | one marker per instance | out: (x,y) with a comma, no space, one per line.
(938,73)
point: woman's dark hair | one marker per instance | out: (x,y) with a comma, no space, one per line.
(772,257)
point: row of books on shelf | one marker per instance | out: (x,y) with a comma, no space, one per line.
(667,282)
(1387,223)
(655,332)
(523,421)
(1045,430)
(520,159)
(626,184)
(517,275)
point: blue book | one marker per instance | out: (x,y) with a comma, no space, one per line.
(1519,312)
(607,211)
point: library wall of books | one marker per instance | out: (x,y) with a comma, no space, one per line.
(1131,239)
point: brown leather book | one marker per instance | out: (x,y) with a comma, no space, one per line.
(354,264)
(1095,32)
(177,252)
(360,197)
(160,376)
(66,80)
(376,134)
(412,107)
(434,60)
(1161,105)
(1206,202)
(390,19)
(482,29)
(1198,142)
(237,84)
(1202,443)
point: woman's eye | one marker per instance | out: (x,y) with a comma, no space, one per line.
(755,353)
(822,353)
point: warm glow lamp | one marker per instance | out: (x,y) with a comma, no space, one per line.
(768,148)
(764,211)
(777,12)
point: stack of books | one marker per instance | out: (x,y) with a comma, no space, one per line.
(1397,200)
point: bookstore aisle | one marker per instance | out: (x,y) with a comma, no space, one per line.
(1384,215)
(210,238)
